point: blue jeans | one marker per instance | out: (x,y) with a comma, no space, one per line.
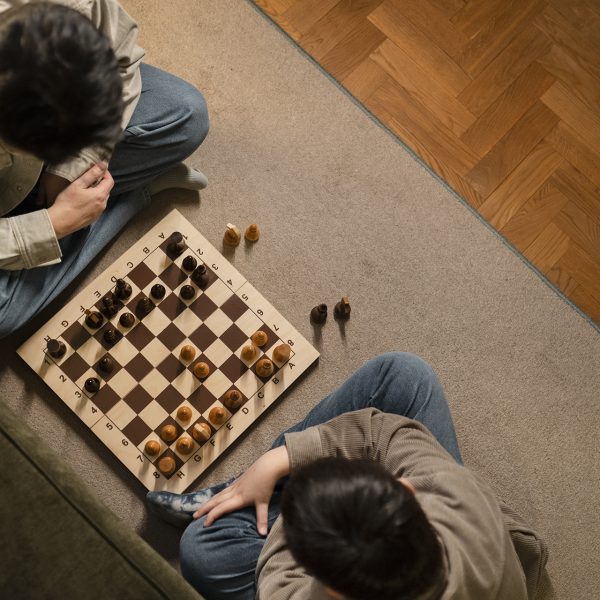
(169,122)
(220,560)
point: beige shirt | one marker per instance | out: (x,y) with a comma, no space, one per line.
(29,240)
(490,552)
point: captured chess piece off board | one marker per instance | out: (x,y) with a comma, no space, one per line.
(169,355)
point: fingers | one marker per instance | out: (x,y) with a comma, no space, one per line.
(106,184)
(91,176)
(214,501)
(262,518)
(223,508)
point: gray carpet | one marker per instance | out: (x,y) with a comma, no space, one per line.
(345,209)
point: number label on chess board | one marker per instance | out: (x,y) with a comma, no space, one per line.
(142,394)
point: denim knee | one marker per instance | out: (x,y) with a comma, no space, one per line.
(405,362)
(193,119)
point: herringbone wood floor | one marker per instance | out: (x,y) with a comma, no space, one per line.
(500,97)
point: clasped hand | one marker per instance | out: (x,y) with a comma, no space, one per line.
(254,487)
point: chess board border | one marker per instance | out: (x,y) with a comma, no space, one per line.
(33,353)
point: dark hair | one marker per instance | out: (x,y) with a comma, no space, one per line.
(357,529)
(60,86)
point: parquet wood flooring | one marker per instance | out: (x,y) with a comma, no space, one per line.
(501,98)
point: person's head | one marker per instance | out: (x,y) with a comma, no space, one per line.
(360,531)
(60,86)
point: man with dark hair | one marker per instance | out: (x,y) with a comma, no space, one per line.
(377,506)
(87,134)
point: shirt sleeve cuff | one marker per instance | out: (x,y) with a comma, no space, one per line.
(304,447)
(76,166)
(36,238)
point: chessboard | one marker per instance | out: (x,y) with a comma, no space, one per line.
(165,423)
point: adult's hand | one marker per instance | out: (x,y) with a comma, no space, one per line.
(82,201)
(49,187)
(253,487)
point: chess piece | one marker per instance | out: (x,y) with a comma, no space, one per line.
(122,289)
(92,385)
(264,367)
(260,338)
(319,314)
(184,413)
(158,291)
(106,364)
(166,465)
(187,292)
(252,233)
(232,400)
(144,306)
(176,244)
(217,415)
(201,432)
(110,336)
(127,319)
(189,263)
(93,319)
(201,370)
(152,447)
(232,236)
(342,309)
(109,309)
(168,433)
(56,348)
(200,276)
(282,353)
(187,352)
(184,445)
(249,352)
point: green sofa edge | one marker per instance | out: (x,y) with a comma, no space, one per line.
(59,541)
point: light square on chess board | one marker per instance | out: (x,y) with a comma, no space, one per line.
(148,386)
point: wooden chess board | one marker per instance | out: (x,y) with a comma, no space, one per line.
(150,381)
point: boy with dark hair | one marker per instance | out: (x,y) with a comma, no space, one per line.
(377,505)
(87,134)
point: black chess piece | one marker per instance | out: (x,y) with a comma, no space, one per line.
(200,275)
(93,319)
(176,244)
(319,314)
(144,306)
(127,319)
(108,307)
(342,309)
(92,385)
(122,289)
(110,336)
(187,292)
(56,348)
(158,291)
(189,263)
(106,364)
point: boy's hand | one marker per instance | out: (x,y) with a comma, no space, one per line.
(49,187)
(82,201)
(255,486)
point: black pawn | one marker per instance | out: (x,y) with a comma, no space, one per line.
(127,319)
(187,292)
(144,306)
(342,309)
(176,244)
(93,319)
(122,289)
(108,307)
(319,314)
(200,276)
(106,364)
(92,385)
(158,291)
(56,348)
(110,336)
(189,263)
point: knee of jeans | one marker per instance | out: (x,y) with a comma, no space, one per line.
(194,120)
(405,362)
(200,559)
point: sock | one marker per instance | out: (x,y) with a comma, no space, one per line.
(180,176)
